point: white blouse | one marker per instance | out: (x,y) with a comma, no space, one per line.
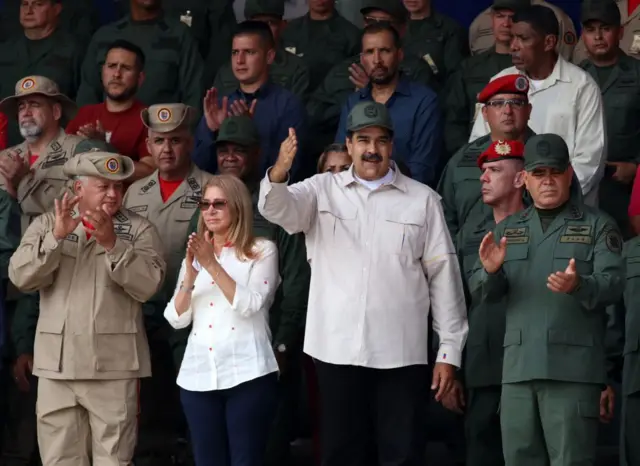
(230,343)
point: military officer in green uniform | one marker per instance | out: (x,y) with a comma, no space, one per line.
(618,76)
(287,69)
(502,191)
(474,73)
(173,67)
(238,152)
(326,102)
(435,38)
(558,264)
(321,38)
(506,108)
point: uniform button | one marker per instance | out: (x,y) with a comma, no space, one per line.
(209,327)
(210,349)
(233,328)
(213,283)
(210,304)
(265,282)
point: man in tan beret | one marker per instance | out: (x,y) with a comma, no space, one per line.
(167,198)
(31,172)
(94,264)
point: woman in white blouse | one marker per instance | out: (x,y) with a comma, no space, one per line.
(228,377)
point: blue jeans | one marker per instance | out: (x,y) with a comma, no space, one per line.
(231,427)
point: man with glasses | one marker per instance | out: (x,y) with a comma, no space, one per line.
(566,100)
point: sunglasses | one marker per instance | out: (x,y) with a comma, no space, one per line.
(217,204)
(501,103)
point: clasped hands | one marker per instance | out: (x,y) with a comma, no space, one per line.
(492,256)
(100,223)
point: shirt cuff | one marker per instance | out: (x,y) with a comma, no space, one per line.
(449,355)
(49,242)
(116,253)
(242,302)
(175,320)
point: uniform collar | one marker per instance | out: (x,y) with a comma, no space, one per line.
(572,211)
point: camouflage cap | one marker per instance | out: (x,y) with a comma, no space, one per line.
(366,114)
(163,118)
(239,130)
(253,8)
(107,165)
(395,8)
(606,11)
(37,85)
(87,145)
(510,4)
(546,150)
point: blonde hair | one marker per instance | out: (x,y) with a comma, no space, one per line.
(241,211)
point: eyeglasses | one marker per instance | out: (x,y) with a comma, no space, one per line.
(501,103)
(217,204)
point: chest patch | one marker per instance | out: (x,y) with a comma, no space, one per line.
(517,235)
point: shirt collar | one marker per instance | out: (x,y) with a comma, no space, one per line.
(261,93)
(403,87)
(560,72)
(398,181)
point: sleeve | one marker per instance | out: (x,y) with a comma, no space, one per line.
(90,91)
(203,154)
(426,144)
(183,320)
(33,265)
(614,342)
(4,123)
(589,152)
(446,189)
(457,111)
(488,287)
(257,295)
(634,204)
(300,82)
(9,231)
(191,74)
(294,117)
(456,48)
(139,267)
(293,207)
(448,308)
(341,134)
(24,323)
(605,286)
(296,275)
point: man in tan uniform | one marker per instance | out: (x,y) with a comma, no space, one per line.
(32,171)
(93,264)
(481,36)
(167,198)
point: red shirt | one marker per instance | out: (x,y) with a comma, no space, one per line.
(125,130)
(33,159)
(167,188)
(90,227)
(3,131)
(632,5)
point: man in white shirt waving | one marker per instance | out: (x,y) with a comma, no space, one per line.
(381,258)
(566,101)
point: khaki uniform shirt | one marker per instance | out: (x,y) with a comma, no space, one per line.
(382,259)
(171,218)
(90,325)
(45,182)
(481,33)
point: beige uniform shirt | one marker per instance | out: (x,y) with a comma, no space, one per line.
(90,325)
(45,182)
(381,259)
(630,43)
(481,31)
(171,218)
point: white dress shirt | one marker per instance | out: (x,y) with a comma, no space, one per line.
(381,259)
(230,343)
(567,103)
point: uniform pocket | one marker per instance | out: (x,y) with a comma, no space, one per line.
(48,344)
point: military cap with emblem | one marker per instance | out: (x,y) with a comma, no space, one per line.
(509,84)
(606,11)
(239,130)
(367,114)
(87,145)
(253,8)
(502,150)
(107,165)
(510,4)
(546,151)
(37,85)
(163,118)
(395,8)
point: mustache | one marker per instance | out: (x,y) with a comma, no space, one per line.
(375,157)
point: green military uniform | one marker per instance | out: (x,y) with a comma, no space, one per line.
(174,68)
(630,427)
(339,38)
(620,86)
(438,40)
(550,396)
(462,89)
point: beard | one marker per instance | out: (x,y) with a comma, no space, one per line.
(383,79)
(123,96)
(30,130)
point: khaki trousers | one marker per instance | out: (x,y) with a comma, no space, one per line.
(78,420)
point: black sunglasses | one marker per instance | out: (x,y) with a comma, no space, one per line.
(217,204)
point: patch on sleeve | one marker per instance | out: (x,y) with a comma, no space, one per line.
(613,239)
(569,38)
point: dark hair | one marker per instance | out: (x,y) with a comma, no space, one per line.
(377,28)
(335,147)
(542,19)
(129,47)
(256,28)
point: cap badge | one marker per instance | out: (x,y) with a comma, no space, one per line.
(521,83)
(503,148)
(164,115)
(543,148)
(232,127)
(28,84)
(112,165)
(370,111)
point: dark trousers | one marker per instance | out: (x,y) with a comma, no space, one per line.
(361,407)
(20,442)
(482,427)
(630,436)
(230,427)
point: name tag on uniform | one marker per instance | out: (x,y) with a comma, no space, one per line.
(427,58)
(577,234)
(635,45)
(187,18)
(517,235)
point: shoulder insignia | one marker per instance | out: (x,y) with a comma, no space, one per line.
(193,184)
(55,146)
(138,208)
(121,218)
(147,186)
(72,237)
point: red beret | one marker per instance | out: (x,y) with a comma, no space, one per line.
(500,150)
(509,84)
